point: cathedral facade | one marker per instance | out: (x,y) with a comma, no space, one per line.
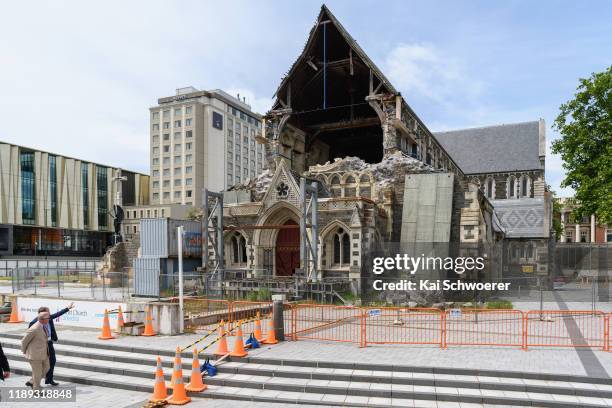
(382,176)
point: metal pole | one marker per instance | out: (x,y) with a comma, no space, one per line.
(303,260)
(205,228)
(324,66)
(220,232)
(541,299)
(179,233)
(315,232)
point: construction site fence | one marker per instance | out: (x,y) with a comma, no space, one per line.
(75,283)
(455,327)
(411,326)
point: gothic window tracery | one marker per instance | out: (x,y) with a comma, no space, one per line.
(525,186)
(490,188)
(238,247)
(341,254)
(512,193)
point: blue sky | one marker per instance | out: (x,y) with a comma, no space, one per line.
(77,78)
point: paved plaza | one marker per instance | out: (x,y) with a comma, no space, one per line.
(99,397)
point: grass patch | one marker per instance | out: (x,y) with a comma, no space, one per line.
(499,304)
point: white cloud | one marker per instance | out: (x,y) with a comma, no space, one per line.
(258,104)
(421,70)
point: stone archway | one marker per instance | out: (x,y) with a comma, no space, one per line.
(266,240)
(287,250)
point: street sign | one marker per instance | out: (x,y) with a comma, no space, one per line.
(374,312)
(455,313)
(527,268)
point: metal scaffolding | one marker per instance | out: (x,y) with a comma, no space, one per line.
(212,231)
(309,231)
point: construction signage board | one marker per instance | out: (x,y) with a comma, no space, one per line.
(84,313)
(527,268)
(455,313)
(374,312)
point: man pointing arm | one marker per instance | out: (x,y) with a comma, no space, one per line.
(52,337)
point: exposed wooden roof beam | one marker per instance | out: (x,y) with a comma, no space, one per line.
(358,123)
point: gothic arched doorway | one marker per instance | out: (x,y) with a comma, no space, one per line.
(287,250)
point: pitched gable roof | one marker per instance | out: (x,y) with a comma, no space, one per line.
(494,149)
(324,15)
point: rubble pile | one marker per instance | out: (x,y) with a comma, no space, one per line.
(390,171)
(257,185)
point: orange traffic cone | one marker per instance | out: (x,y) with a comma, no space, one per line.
(148,323)
(239,350)
(271,339)
(106,331)
(14,311)
(196,383)
(179,394)
(120,322)
(222,347)
(257,332)
(160,392)
(177,360)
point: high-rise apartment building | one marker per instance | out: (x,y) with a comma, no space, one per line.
(201,139)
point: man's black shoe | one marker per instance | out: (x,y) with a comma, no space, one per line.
(28,384)
(53,383)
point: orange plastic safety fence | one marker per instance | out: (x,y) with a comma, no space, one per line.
(390,325)
(202,312)
(246,311)
(567,328)
(484,327)
(322,322)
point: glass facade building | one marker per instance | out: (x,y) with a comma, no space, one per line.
(37,241)
(53,189)
(54,205)
(102,185)
(85,188)
(28,188)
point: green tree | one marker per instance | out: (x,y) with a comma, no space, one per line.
(585,146)
(556,215)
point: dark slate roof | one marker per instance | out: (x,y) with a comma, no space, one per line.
(494,149)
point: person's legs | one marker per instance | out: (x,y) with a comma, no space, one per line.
(52,360)
(44,368)
(37,372)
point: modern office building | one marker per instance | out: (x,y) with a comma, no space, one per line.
(53,205)
(201,139)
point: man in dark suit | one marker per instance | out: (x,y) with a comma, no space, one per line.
(5,370)
(52,338)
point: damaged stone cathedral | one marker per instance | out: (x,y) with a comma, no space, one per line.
(382,176)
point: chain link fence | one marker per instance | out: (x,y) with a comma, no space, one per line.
(71,283)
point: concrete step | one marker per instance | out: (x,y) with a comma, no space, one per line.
(141,365)
(143,370)
(143,352)
(141,375)
(269,380)
(230,393)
